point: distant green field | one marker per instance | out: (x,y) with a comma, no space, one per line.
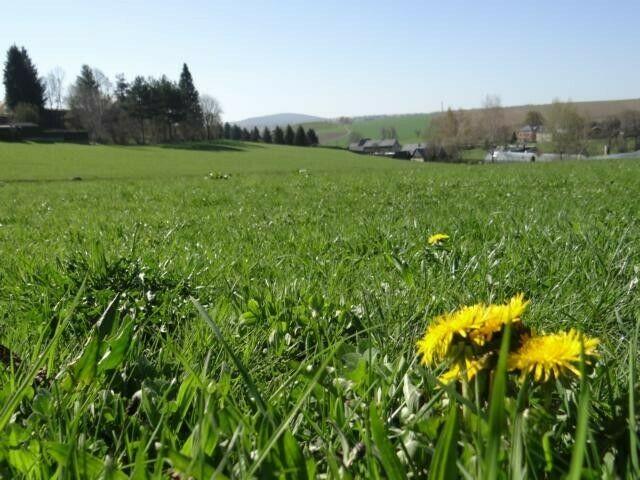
(170,324)
(410,129)
(59,161)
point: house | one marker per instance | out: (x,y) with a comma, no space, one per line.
(358,147)
(527,134)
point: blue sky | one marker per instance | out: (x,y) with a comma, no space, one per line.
(349,57)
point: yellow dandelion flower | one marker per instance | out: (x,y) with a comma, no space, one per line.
(438,338)
(472,367)
(438,238)
(497,316)
(547,356)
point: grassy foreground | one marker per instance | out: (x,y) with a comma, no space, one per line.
(168,322)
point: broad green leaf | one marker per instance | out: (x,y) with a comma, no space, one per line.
(117,349)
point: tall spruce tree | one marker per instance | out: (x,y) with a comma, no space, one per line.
(255,135)
(301,137)
(312,138)
(289,136)
(266,135)
(21,81)
(236,133)
(137,103)
(227,131)
(193,118)
(278,136)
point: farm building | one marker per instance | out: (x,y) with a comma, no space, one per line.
(413,151)
(375,147)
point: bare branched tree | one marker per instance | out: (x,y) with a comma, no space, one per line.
(211,114)
(90,99)
(568,127)
(55,88)
(493,128)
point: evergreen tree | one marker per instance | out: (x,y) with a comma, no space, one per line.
(301,137)
(227,131)
(138,103)
(192,110)
(168,104)
(122,88)
(246,135)
(266,135)
(312,138)
(236,133)
(278,136)
(21,81)
(255,135)
(289,136)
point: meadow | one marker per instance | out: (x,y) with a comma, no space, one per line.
(410,128)
(248,311)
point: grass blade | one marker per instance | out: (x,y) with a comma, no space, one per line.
(388,457)
(633,428)
(294,411)
(582,428)
(9,407)
(253,389)
(443,465)
(497,413)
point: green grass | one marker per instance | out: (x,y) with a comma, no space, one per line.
(27,161)
(315,281)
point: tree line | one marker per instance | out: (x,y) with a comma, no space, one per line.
(279,136)
(144,110)
(566,130)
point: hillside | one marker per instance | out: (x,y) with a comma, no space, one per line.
(278,119)
(594,110)
(411,127)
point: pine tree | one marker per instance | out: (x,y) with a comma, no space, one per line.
(137,103)
(255,135)
(246,135)
(312,138)
(190,103)
(266,135)
(278,136)
(289,136)
(236,133)
(227,131)
(301,137)
(21,81)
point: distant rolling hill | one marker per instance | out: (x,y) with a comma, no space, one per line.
(593,110)
(410,127)
(279,119)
